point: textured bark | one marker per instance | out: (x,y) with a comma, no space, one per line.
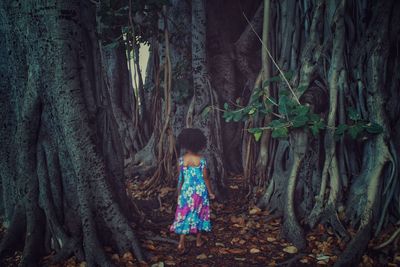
(148,158)
(355,75)
(68,107)
(204,95)
(335,77)
(66,190)
(223,72)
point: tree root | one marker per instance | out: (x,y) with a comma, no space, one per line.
(16,232)
(392,238)
(355,249)
(291,227)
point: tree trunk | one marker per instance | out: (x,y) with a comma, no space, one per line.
(63,190)
(204,96)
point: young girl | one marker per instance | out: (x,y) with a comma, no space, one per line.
(193,211)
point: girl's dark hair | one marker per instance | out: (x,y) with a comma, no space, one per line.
(192,139)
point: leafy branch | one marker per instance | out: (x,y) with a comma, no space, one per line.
(290,114)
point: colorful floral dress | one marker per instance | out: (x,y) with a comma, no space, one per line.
(193,211)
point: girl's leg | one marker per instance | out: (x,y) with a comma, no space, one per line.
(181,245)
(199,242)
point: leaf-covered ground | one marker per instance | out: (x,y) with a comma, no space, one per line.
(242,235)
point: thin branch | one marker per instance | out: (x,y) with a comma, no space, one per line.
(272,59)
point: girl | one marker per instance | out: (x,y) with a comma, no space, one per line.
(193,211)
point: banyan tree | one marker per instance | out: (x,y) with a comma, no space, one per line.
(299,97)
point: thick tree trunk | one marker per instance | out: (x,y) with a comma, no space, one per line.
(204,96)
(62,185)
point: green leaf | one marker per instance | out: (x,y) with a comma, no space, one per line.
(226,106)
(373,128)
(355,130)
(237,115)
(341,129)
(254,130)
(257,132)
(254,97)
(299,121)
(353,114)
(301,110)
(228,116)
(276,124)
(281,132)
(205,112)
(284,92)
(283,103)
(252,111)
(314,117)
(316,127)
(257,136)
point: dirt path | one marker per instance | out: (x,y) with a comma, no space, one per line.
(242,235)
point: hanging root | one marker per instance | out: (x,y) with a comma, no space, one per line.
(377,157)
(390,240)
(291,227)
(354,250)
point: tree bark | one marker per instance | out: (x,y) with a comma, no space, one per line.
(67,191)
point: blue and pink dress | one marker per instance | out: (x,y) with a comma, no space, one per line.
(193,211)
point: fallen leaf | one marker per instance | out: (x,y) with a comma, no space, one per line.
(236,250)
(239,259)
(202,256)
(165,190)
(223,251)
(237,220)
(254,210)
(158,264)
(290,249)
(235,239)
(127,256)
(150,247)
(271,239)
(305,260)
(322,257)
(170,263)
(254,250)
(155,258)
(218,244)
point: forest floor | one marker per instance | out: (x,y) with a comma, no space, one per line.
(242,235)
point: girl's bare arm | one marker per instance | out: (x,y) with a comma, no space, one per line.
(179,185)
(208,184)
